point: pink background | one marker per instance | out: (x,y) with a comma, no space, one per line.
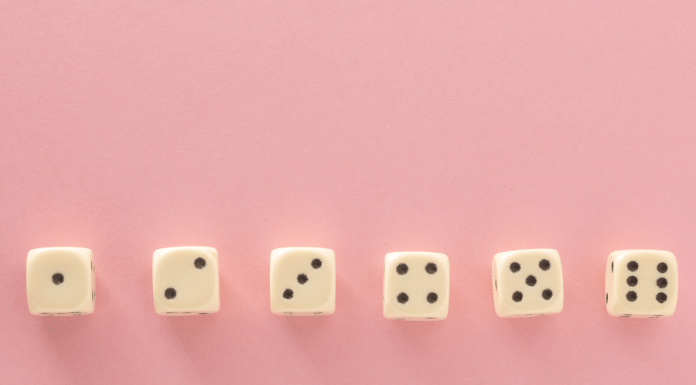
(364,127)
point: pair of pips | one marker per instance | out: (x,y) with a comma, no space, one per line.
(639,283)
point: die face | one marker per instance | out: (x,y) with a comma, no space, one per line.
(527,283)
(185,281)
(416,286)
(60,281)
(641,284)
(303,281)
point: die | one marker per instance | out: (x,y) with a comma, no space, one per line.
(416,286)
(303,281)
(641,284)
(186,281)
(61,281)
(527,283)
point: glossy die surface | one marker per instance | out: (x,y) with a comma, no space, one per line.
(303,281)
(416,286)
(185,281)
(641,284)
(61,281)
(527,283)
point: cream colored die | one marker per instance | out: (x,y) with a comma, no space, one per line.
(60,281)
(185,281)
(303,281)
(527,283)
(416,286)
(641,284)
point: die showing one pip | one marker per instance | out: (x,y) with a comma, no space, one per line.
(641,284)
(185,281)
(527,283)
(416,286)
(60,281)
(303,281)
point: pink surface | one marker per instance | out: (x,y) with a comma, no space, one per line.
(466,129)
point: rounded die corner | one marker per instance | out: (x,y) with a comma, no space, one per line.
(617,254)
(158,254)
(329,310)
(275,253)
(82,251)
(88,311)
(389,258)
(275,308)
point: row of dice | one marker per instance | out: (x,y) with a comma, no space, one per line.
(185,281)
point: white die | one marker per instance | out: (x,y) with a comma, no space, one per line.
(641,284)
(416,286)
(303,281)
(527,283)
(60,281)
(186,281)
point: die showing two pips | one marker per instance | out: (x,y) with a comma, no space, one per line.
(185,281)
